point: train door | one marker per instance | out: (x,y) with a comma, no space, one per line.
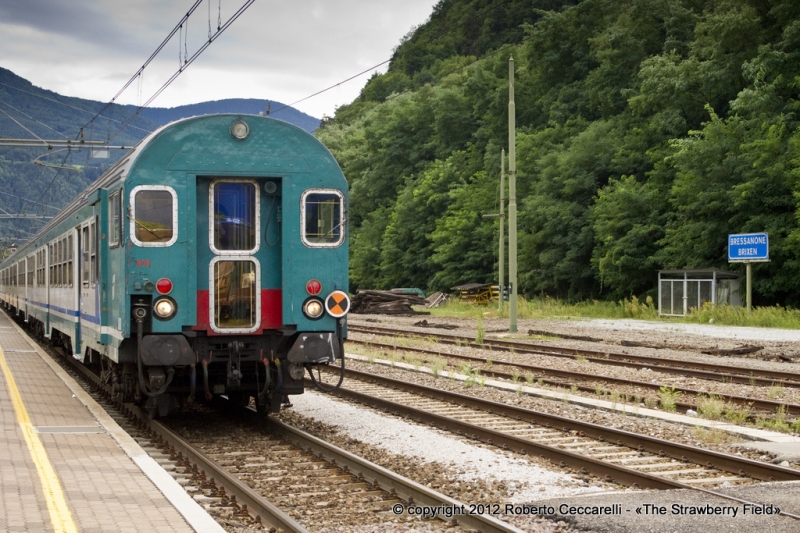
(87,285)
(234,271)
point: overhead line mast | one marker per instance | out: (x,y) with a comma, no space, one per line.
(512,201)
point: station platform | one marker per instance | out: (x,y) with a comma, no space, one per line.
(66,466)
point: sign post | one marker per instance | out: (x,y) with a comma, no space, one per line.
(748,248)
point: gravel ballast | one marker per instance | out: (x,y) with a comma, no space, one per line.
(476,473)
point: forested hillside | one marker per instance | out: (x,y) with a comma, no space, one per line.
(647,130)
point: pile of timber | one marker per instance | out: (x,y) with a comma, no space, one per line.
(385,303)
(436,299)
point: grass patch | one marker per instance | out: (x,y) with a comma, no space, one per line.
(668,397)
(480,331)
(775,391)
(437,365)
(765,317)
(712,436)
(737,414)
(548,308)
(710,407)
(473,376)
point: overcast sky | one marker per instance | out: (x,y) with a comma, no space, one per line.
(276,50)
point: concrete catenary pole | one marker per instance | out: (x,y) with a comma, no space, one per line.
(502,263)
(512,202)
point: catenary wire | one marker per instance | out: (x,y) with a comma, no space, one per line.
(569,9)
(412,47)
(184,66)
(149,60)
(33,119)
(68,105)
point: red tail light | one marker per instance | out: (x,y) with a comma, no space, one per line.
(164,286)
(313,287)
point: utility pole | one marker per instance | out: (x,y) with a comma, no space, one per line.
(502,265)
(512,202)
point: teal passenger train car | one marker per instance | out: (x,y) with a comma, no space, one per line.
(210,260)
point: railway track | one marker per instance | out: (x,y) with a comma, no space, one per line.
(587,382)
(710,371)
(233,458)
(614,455)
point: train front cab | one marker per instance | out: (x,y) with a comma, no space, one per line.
(268,261)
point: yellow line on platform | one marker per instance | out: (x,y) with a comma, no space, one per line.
(60,515)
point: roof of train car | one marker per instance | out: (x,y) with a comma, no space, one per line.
(121,168)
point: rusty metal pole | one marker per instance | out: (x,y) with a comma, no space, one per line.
(502,265)
(512,202)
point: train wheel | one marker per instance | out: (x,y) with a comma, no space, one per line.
(262,408)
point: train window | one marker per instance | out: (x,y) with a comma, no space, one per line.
(60,263)
(85,256)
(114,219)
(69,261)
(154,215)
(235,216)
(234,299)
(93,251)
(322,218)
(40,268)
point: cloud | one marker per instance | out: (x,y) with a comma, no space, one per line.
(282,51)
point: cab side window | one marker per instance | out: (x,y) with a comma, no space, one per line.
(322,218)
(154,215)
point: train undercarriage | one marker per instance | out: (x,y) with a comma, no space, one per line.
(166,372)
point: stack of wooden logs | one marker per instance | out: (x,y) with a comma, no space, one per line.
(386,303)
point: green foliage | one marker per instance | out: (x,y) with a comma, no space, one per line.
(668,396)
(646,132)
(627,227)
(769,317)
(711,407)
(635,309)
(480,333)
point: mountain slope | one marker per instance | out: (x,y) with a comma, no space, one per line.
(647,131)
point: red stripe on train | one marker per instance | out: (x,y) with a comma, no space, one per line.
(271,312)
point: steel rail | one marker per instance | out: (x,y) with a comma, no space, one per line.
(255,504)
(389,481)
(566,459)
(726,373)
(643,443)
(765,405)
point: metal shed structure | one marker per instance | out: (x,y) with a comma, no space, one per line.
(681,290)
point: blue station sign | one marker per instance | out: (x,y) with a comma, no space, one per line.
(748,247)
